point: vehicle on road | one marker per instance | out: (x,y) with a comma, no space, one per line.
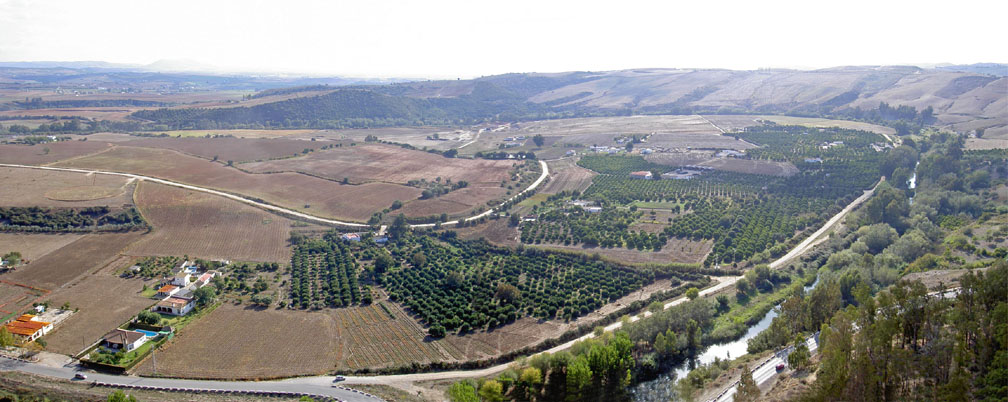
(80,376)
(780,367)
(338,379)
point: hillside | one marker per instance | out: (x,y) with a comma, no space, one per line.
(962,100)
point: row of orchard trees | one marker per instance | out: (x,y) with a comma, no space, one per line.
(460,286)
(324,273)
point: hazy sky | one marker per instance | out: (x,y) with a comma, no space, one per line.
(447,39)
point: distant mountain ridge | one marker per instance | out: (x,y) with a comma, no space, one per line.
(961,100)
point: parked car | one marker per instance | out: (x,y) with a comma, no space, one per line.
(339,378)
(80,376)
(780,367)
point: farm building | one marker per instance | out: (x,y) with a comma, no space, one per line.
(29,327)
(646,151)
(382,239)
(124,340)
(570,152)
(167,290)
(350,237)
(175,306)
(643,174)
(204,279)
(593,210)
(813,160)
(182,279)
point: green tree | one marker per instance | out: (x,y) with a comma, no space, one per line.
(492,391)
(6,338)
(462,391)
(747,390)
(538,139)
(579,376)
(149,317)
(799,358)
(205,295)
(119,396)
(530,379)
(692,293)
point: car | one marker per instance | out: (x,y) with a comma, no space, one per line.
(780,367)
(339,378)
(80,376)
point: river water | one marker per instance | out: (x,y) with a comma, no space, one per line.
(663,387)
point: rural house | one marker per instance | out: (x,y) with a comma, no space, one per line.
(350,237)
(29,327)
(643,174)
(182,279)
(124,340)
(175,305)
(167,290)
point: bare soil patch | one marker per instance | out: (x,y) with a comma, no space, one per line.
(103,302)
(38,154)
(86,254)
(33,246)
(292,190)
(233,149)
(375,162)
(202,225)
(677,250)
(566,175)
(45,188)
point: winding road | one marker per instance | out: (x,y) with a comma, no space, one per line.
(270,207)
(322,385)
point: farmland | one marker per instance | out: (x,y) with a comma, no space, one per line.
(236,341)
(567,176)
(103,301)
(205,226)
(34,246)
(30,187)
(366,163)
(47,153)
(86,254)
(225,149)
(737,122)
(292,190)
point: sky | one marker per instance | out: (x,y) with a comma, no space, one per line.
(472,38)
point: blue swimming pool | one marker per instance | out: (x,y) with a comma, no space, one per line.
(150,334)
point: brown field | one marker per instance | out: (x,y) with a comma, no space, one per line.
(30,187)
(37,154)
(455,203)
(86,254)
(373,162)
(235,341)
(240,133)
(986,143)
(33,246)
(415,136)
(706,158)
(292,190)
(202,225)
(103,302)
(233,149)
(97,113)
(566,175)
(16,299)
(736,122)
(677,250)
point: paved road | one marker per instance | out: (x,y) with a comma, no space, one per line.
(317,386)
(259,204)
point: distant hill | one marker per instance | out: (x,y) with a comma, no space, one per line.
(961,100)
(995,69)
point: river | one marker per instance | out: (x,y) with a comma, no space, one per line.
(663,387)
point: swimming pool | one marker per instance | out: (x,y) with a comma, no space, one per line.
(150,334)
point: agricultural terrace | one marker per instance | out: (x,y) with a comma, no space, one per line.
(202,225)
(743,214)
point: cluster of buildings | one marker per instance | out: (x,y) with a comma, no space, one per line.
(828,145)
(176,293)
(380,238)
(587,206)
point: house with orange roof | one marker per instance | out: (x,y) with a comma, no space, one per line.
(28,327)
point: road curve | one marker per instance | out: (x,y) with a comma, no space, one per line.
(263,205)
(318,388)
